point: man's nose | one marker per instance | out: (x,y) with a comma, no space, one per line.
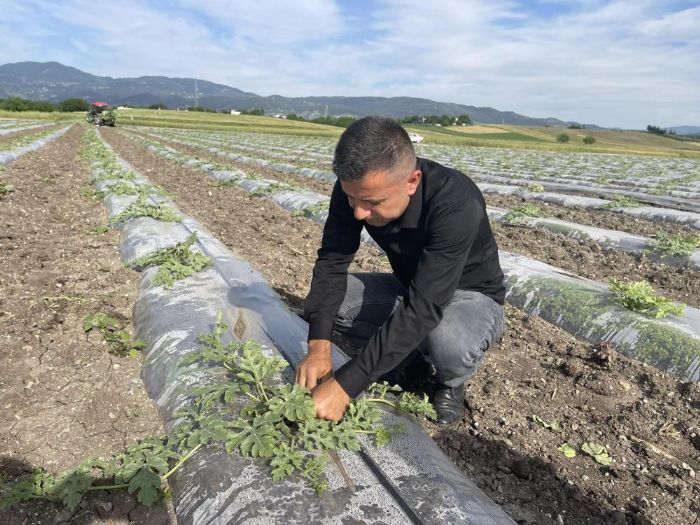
(361,213)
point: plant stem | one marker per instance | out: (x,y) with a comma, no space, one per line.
(381,400)
(180,462)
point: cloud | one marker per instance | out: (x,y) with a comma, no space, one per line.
(608,62)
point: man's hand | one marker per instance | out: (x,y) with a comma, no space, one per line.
(316,364)
(330,400)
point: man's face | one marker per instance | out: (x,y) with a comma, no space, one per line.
(379,197)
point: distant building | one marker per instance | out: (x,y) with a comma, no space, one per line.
(235,112)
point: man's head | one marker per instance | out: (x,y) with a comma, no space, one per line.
(376,165)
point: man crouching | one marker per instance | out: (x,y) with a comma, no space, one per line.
(444,297)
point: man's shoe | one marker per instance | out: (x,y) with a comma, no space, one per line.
(448,403)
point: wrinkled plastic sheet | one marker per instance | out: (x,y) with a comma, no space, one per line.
(683,201)
(408,481)
(588,310)
(7,131)
(607,239)
(14,154)
(651,213)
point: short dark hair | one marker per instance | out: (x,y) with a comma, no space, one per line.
(369,144)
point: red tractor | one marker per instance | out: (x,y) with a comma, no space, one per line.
(101,114)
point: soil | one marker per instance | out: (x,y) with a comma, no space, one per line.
(647,419)
(584,258)
(64,398)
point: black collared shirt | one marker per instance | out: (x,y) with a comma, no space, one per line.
(442,242)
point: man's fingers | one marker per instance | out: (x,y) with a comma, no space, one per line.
(311,379)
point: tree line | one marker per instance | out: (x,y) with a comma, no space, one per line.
(21,104)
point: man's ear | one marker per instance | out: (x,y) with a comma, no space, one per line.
(412,182)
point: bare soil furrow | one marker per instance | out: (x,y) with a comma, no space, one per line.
(60,390)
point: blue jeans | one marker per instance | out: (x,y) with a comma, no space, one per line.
(471,322)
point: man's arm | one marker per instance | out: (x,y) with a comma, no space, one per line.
(341,239)
(450,236)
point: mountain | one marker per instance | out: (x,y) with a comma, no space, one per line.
(55,82)
(685,130)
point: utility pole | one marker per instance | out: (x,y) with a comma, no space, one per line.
(196,94)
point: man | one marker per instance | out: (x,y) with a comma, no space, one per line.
(445,294)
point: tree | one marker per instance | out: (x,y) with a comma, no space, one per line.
(656,130)
(159,105)
(563,138)
(588,139)
(73,104)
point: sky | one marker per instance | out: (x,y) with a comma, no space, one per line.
(611,63)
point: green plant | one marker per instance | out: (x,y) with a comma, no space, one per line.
(639,296)
(176,262)
(534,188)
(524,210)
(588,139)
(273,188)
(119,342)
(6,189)
(597,452)
(278,424)
(141,208)
(279,421)
(563,138)
(314,209)
(99,230)
(673,245)
(568,450)
(622,201)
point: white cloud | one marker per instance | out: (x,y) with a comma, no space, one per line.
(613,63)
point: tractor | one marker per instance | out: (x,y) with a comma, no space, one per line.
(101,114)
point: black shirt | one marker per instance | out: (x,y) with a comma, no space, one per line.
(442,242)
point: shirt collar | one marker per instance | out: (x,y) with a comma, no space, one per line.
(411,216)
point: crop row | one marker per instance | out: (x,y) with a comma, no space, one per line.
(168,319)
(586,309)
(16,148)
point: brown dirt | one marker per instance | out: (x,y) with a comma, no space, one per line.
(600,218)
(646,418)
(583,258)
(64,398)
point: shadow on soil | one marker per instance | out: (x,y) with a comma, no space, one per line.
(99,507)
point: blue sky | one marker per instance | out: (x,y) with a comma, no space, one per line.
(611,63)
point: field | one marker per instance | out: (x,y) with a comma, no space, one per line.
(575,366)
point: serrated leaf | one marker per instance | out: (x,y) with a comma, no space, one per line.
(418,406)
(256,439)
(71,486)
(285,461)
(293,402)
(146,485)
(315,434)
